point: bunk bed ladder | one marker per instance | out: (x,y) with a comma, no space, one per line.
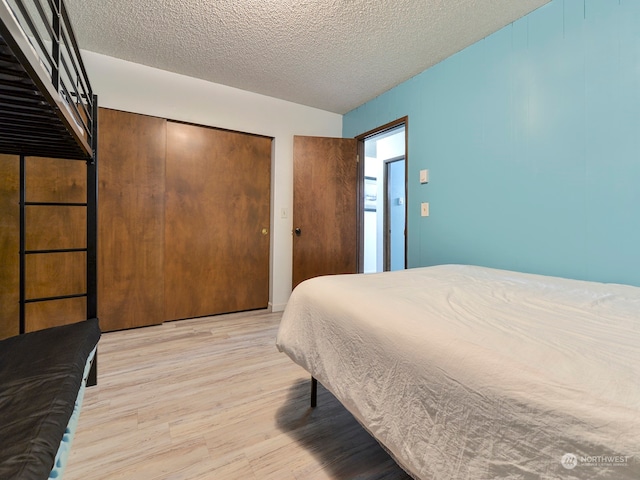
(24,252)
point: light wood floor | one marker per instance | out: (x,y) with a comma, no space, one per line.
(212,398)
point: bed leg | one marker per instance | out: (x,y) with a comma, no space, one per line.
(314,392)
(92,379)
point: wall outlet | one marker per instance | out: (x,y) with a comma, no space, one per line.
(424,209)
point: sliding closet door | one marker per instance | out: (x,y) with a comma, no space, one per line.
(131,159)
(216,221)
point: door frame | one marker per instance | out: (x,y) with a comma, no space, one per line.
(361,139)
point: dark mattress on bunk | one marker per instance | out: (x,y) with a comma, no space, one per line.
(40,376)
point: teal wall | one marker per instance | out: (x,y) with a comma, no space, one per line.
(532,141)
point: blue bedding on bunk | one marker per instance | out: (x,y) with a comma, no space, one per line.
(40,376)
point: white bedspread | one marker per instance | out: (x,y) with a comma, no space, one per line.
(465,372)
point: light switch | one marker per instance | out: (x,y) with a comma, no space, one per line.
(284,213)
(424,176)
(424,209)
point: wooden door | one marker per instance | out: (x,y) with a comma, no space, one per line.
(130,219)
(325,213)
(216,221)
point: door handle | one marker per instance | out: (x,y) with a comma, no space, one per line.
(298,231)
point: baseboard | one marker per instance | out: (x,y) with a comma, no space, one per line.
(278,307)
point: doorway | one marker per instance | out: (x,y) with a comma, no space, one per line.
(383,212)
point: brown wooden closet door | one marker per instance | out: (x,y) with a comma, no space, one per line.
(9,246)
(325,212)
(217,220)
(131,219)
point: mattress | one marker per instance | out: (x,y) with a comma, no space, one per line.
(465,372)
(41,374)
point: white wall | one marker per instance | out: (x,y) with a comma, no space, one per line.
(136,88)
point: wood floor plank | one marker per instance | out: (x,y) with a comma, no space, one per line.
(212,398)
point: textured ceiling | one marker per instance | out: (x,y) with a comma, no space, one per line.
(330,54)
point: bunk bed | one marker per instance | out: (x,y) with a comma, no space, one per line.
(466,372)
(47,109)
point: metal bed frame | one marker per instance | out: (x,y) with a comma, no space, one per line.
(48,109)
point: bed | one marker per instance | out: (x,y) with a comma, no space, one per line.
(47,109)
(43,375)
(466,372)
